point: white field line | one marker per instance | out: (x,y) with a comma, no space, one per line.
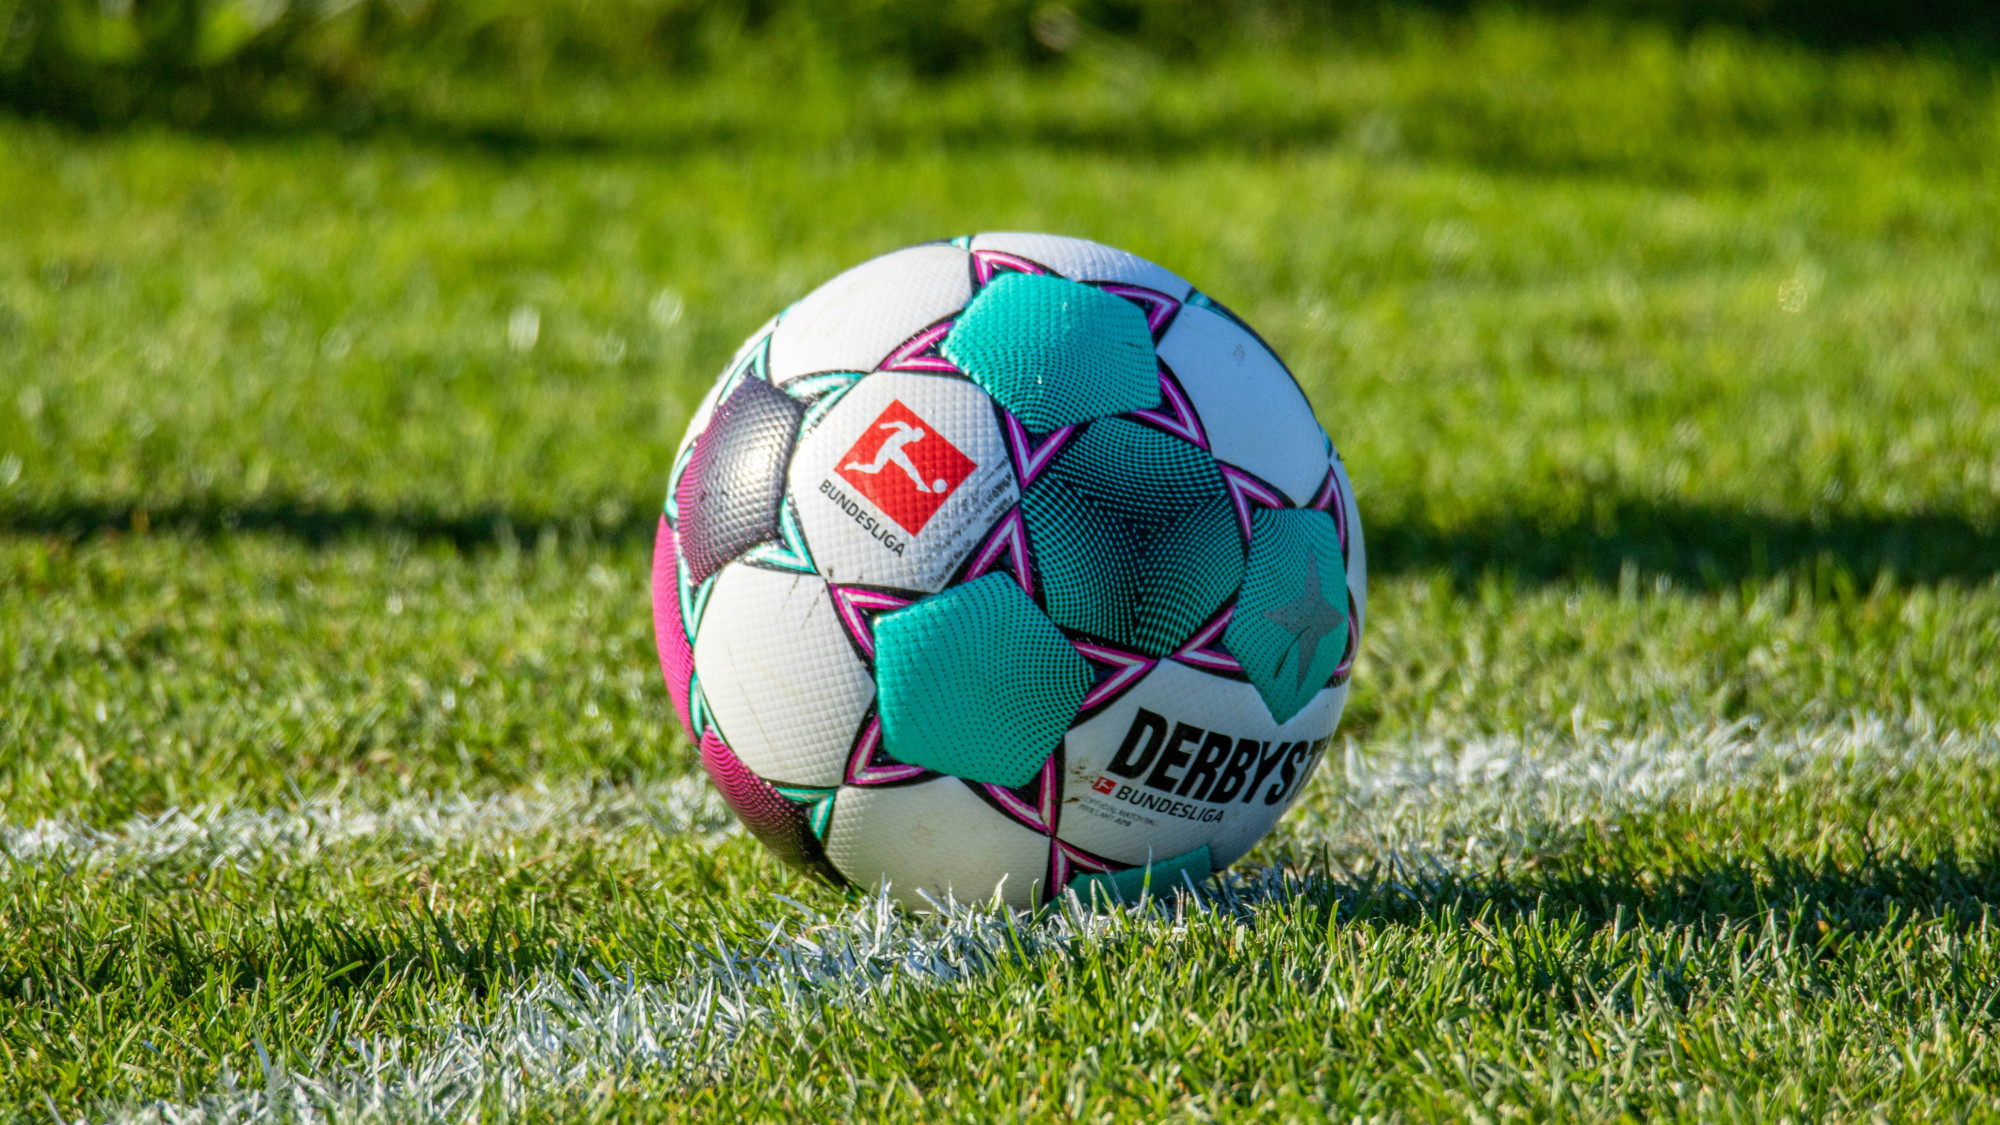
(217,835)
(1457,805)
(1463,805)
(588,1032)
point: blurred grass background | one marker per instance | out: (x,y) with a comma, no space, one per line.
(350,63)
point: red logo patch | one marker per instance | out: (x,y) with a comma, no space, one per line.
(905,467)
(1105,785)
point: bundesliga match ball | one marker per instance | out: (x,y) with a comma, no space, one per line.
(1008,565)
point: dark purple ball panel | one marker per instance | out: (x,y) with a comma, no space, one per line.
(735,479)
(781,824)
(669,635)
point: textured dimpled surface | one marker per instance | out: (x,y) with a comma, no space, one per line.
(729,494)
(857,541)
(936,838)
(779,675)
(1190,739)
(959,492)
(1158,878)
(976,682)
(1289,630)
(1134,536)
(854,321)
(704,411)
(1255,415)
(782,824)
(669,634)
(1357,550)
(1235,840)
(1083,260)
(1054,352)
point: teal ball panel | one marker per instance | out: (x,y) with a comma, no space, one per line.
(1290,626)
(1054,352)
(1159,879)
(1134,536)
(976,682)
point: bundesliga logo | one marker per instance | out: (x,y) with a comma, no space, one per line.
(905,467)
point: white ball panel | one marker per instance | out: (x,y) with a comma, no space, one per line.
(780,676)
(1357,551)
(1159,800)
(1255,415)
(1082,260)
(1239,836)
(854,321)
(750,342)
(936,837)
(853,539)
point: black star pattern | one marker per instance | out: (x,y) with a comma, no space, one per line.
(1308,617)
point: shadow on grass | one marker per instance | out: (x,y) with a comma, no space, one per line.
(1692,545)
(1969,28)
(1819,916)
(1497,134)
(319,524)
(1850,899)
(1443,127)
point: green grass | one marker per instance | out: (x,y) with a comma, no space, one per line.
(1664,368)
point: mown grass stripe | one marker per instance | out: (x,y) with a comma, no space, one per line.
(1452,808)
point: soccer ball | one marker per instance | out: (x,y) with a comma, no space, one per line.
(1008,565)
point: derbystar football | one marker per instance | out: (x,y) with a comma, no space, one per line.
(1010,564)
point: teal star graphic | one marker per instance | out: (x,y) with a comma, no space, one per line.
(1308,617)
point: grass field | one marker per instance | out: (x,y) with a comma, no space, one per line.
(336,777)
